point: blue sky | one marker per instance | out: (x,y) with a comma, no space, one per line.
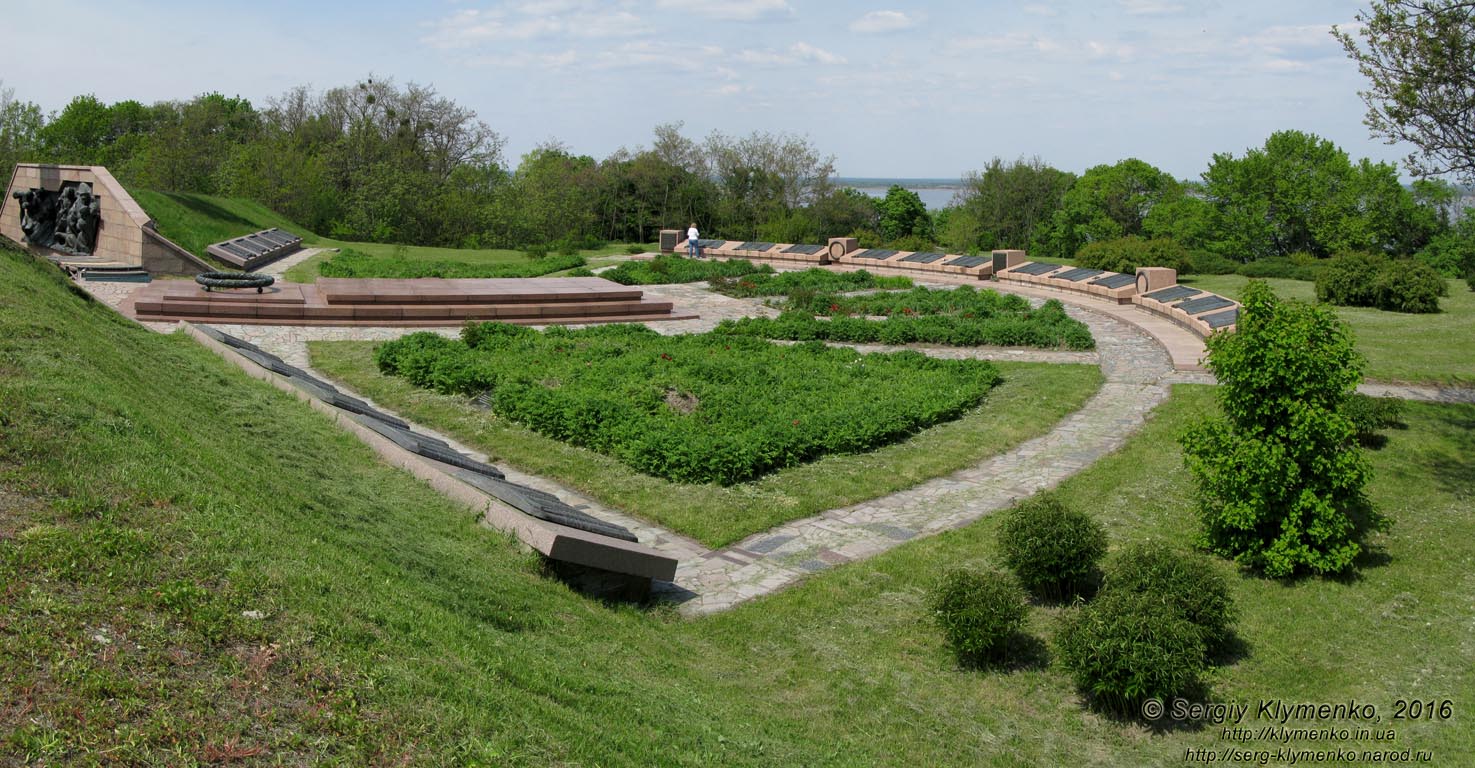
(890,89)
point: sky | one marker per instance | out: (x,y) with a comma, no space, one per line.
(890,89)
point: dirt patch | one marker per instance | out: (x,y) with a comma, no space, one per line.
(682,402)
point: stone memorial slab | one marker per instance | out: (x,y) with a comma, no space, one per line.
(754,245)
(1115,281)
(1173,293)
(1035,268)
(807,250)
(924,257)
(1202,304)
(1078,274)
(876,253)
(1221,319)
(968,261)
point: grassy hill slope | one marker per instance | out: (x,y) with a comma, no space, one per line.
(196,568)
(195,221)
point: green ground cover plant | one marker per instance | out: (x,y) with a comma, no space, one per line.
(1031,398)
(962,316)
(671,268)
(354,263)
(704,408)
(1399,347)
(805,282)
(395,630)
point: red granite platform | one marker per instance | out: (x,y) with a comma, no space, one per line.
(420,302)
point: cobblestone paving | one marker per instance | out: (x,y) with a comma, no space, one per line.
(1138,375)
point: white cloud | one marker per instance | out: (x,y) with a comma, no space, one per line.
(1312,39)
(732,10)
(532,20)
(798,53)
(1014,42)
(1039,9)
(882,21)
(1150,7)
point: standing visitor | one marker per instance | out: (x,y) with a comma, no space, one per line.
(693,246)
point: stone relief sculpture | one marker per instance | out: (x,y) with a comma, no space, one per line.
(65,220)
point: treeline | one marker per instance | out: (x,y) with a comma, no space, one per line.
(379,162)
(384,163)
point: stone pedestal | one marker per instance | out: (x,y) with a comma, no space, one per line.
(1008,258)
(839,246)
(1153,278)
(670,238)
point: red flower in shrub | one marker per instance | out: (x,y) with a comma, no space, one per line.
(796,422)
(665,356)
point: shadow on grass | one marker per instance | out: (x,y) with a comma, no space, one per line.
(207,208)
(1022,653)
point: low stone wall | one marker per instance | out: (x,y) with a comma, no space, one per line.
(126,236)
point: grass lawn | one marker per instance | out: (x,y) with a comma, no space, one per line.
(150,494)
(1431,349)
(1031,399)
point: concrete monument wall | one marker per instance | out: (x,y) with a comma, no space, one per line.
(125,234)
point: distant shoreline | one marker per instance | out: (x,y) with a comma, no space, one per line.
(866,182)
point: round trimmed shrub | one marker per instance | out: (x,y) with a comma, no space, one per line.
(978,611)
(1051,548)
(1409,286)
(1126,254)
(1126,647)
(1185,581)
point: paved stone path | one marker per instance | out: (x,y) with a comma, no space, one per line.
(1138,371)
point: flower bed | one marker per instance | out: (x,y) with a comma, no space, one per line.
(705,408)
(958,317)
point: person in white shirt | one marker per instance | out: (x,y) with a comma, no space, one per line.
(693,247)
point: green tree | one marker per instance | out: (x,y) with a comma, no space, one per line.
(903,214)
(1108,202)
(1280,474)
(20,130)
(1419,59)
(1006,205)
(79,133)
(1302,193)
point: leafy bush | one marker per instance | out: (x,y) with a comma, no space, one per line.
(962,317)
(815,281)
(692,408)
(670,268)
(634,248)
(1372,280)
(352,263)
(1278,267)
(1126,254)
(1371,415)
(580,272)
(978,611)
(1349,278)
(1409,286)
(1126,647)
(916,243)
(536,251)
(1209,263)
(1280,477)
(1187,582)
(1051,548)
